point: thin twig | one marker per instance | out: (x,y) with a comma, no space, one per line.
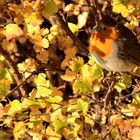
(135,90)
(81,47)
(22,83)
(107,96)
(16,75)
(107,133)
(94,11)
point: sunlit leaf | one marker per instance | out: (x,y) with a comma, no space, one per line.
(55,99)
(15,107)
(69,76)
(115,133)
(120,86)
(136,100)
(57,114)
(73,27)
(70,54)
(92,72)
(125,82)
(82,106)
(19,130)
(76,64)
(43,92)
(81,86)
(120,6)
(128,110)
(29,102)
(42,84)
(58,124)
(12,31)
(32,29)
(72,117)
(33,18)
(82,19)
(137,122)
(52,135)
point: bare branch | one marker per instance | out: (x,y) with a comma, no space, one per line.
(81,47)
(16,75)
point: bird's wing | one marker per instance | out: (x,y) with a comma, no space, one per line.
(133,53)
(130,48)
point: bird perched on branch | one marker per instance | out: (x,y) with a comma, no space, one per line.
(114,46)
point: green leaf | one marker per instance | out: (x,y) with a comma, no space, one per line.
(43,92)
(81,86)
(82,106)
(125,82)
(49,9)
(76,64)
(4,87)
(29,102)
(126,79)
(4,73)
(58,125)
(136,100)
(15,107)
(120,86)
(92,72)
(72,117)
(40,80)
(73,27)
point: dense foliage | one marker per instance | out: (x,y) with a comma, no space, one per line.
(52,90)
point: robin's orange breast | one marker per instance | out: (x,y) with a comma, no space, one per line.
(100,45)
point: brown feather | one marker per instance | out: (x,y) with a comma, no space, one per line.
(131,48)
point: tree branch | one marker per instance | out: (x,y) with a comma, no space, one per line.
(107,96)
(16,75)
(81,47)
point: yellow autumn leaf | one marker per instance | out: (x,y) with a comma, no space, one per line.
(31,29)
(128,110)
(51,134)
(4,87)
(82,106)
(43,89)
(38,40)
(70,53)
(12,31)
(69,76)
(74,28)
(76,64)
(33,18)
(19,130)
(82,86)
(120,8)
(59,125)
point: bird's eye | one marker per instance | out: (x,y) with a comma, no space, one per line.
(104,28)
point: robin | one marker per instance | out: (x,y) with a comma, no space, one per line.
(114,46)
